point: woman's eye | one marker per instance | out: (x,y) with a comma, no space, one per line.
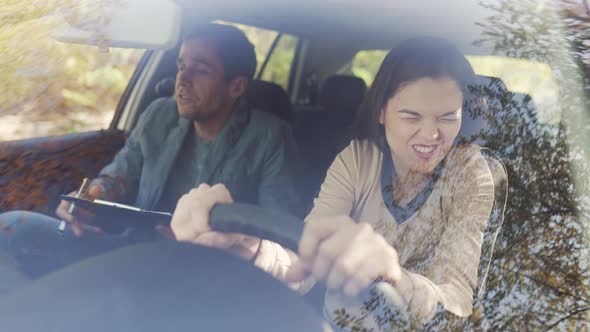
(450,118)
(412,118)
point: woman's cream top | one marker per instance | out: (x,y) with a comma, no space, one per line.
(438,246)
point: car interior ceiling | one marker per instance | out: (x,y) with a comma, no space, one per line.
(373,25)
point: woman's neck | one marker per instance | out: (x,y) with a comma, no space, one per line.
(406,183)
(406,188)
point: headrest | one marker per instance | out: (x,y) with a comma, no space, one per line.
(342,92)
(165,87)
(486,100)
(269,97)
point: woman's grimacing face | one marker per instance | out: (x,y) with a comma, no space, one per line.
(421,120)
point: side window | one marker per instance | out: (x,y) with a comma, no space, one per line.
(57,88)
(532,78)
(365,64)
(278,66)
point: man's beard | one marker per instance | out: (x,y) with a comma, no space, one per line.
(197,115)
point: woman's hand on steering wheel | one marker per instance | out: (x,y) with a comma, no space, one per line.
(190,222)
(347,255)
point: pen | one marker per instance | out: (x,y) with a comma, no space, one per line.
(62,224)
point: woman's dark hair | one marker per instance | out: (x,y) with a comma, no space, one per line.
(235,50)
(413,59)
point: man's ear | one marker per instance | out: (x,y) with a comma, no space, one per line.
(238,86)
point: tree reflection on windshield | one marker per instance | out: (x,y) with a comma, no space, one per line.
(539,274)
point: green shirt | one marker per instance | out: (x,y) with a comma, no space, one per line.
(254,156)
(186,170)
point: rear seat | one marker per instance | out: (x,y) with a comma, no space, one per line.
(322,131)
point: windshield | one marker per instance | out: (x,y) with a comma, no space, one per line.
(532,61)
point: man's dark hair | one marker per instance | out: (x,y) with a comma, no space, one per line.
(235,50)
(413,59)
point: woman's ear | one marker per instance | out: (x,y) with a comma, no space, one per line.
(382,116)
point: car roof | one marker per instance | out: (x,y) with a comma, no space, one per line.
(371,24)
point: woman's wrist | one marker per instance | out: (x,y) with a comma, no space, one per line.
(257,252)
(404,285)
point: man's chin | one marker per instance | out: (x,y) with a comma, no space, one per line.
(193,115)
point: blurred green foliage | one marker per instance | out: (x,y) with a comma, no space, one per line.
(51,88)
(64,87)
(279,65)
(366,64)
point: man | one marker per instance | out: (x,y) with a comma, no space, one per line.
(207,134)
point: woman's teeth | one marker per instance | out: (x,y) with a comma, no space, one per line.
(424,148)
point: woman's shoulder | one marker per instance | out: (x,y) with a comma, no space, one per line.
(466,153)
(363,147)
(362,153)
(467,160)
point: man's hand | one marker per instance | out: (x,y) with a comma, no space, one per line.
(190,222)
(80,218)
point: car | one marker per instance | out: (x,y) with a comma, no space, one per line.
(318,57)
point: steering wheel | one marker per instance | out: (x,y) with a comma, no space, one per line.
(165,285)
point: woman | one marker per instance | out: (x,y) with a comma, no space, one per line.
(403,202)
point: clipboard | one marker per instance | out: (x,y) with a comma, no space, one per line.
(115,217)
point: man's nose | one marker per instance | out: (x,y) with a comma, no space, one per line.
(182,77)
